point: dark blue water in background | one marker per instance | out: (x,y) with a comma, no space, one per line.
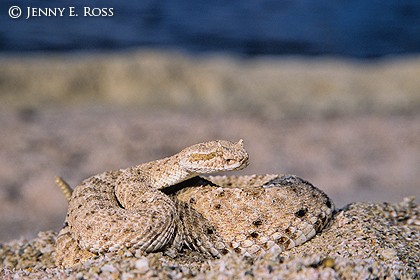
(354,28)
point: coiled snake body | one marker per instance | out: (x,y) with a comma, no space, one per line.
(164,206)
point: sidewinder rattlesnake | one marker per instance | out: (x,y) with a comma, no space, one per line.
(164,205)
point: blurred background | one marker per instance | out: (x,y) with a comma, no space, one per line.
(326,90)
(354,28)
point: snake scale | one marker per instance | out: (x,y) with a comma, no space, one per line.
(164,205)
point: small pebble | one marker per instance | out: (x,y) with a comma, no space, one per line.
(108,268)
(142,265)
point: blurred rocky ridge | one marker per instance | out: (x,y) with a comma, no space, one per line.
(270,87)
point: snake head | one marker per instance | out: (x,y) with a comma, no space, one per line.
(214,156)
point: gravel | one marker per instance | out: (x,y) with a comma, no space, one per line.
(364,241)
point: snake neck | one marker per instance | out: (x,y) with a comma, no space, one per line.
(161,173)
(137,183)
(165,172)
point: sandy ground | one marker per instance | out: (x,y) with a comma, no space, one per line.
(350,128)
(363,241)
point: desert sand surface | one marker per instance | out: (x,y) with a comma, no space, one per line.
(351,128)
